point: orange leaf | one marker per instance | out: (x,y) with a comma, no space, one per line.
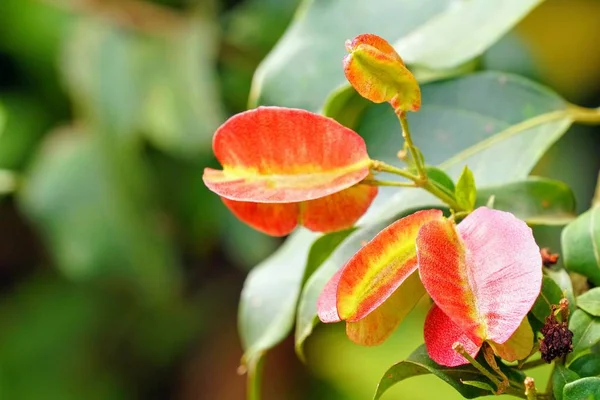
(381,266)
(379,324)
(378,74)
(282,155)
(331,213)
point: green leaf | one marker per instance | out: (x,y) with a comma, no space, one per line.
(537,200)
(345,106)
(95,210)
(131,83)
(582,389)
(519,123)
(466,193)
(270,294)
(560,377)
(480,385)
(590,302)
(421,31)
(550,294)
(419,363)
(586,365)
(586,331)
(441,180)
(581,245)
(563,280)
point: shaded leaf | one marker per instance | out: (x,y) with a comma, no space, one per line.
(560,377)
(317,36)
(581,245)
(590,302)
(563,280)
(586,331)
(537,200)
(550,294)
(586,365)
(419,363)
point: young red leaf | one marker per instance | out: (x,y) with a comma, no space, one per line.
(381,266)
(381,322)
(337,211)
(440,335)
(377,73)
(484,274)
(272,219)
(331,213)
(281,155)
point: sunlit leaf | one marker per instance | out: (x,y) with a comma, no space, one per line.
(590,302)
(380,267)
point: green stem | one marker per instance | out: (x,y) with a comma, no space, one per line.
(411,147)
(424,184)
(383,167)
(375,182)
(459,348)
(254,379)
(584,115)
(532,364)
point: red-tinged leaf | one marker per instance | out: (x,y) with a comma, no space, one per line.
(484,274)
(440,335)
(379,324)
(327,301)
(378,74)
(281,155)
(337,211)
(272,219)
(381,266)
(518,346)
(375,41)
(331,213)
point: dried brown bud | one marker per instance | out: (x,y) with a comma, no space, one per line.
(548,258)
(558,339)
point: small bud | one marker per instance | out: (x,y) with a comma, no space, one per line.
(378,73)
(558,339)
(548,258)
(530,390)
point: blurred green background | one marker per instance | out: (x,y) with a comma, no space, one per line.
(120,273)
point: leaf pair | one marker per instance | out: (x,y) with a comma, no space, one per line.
(283,167)
(484,276)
